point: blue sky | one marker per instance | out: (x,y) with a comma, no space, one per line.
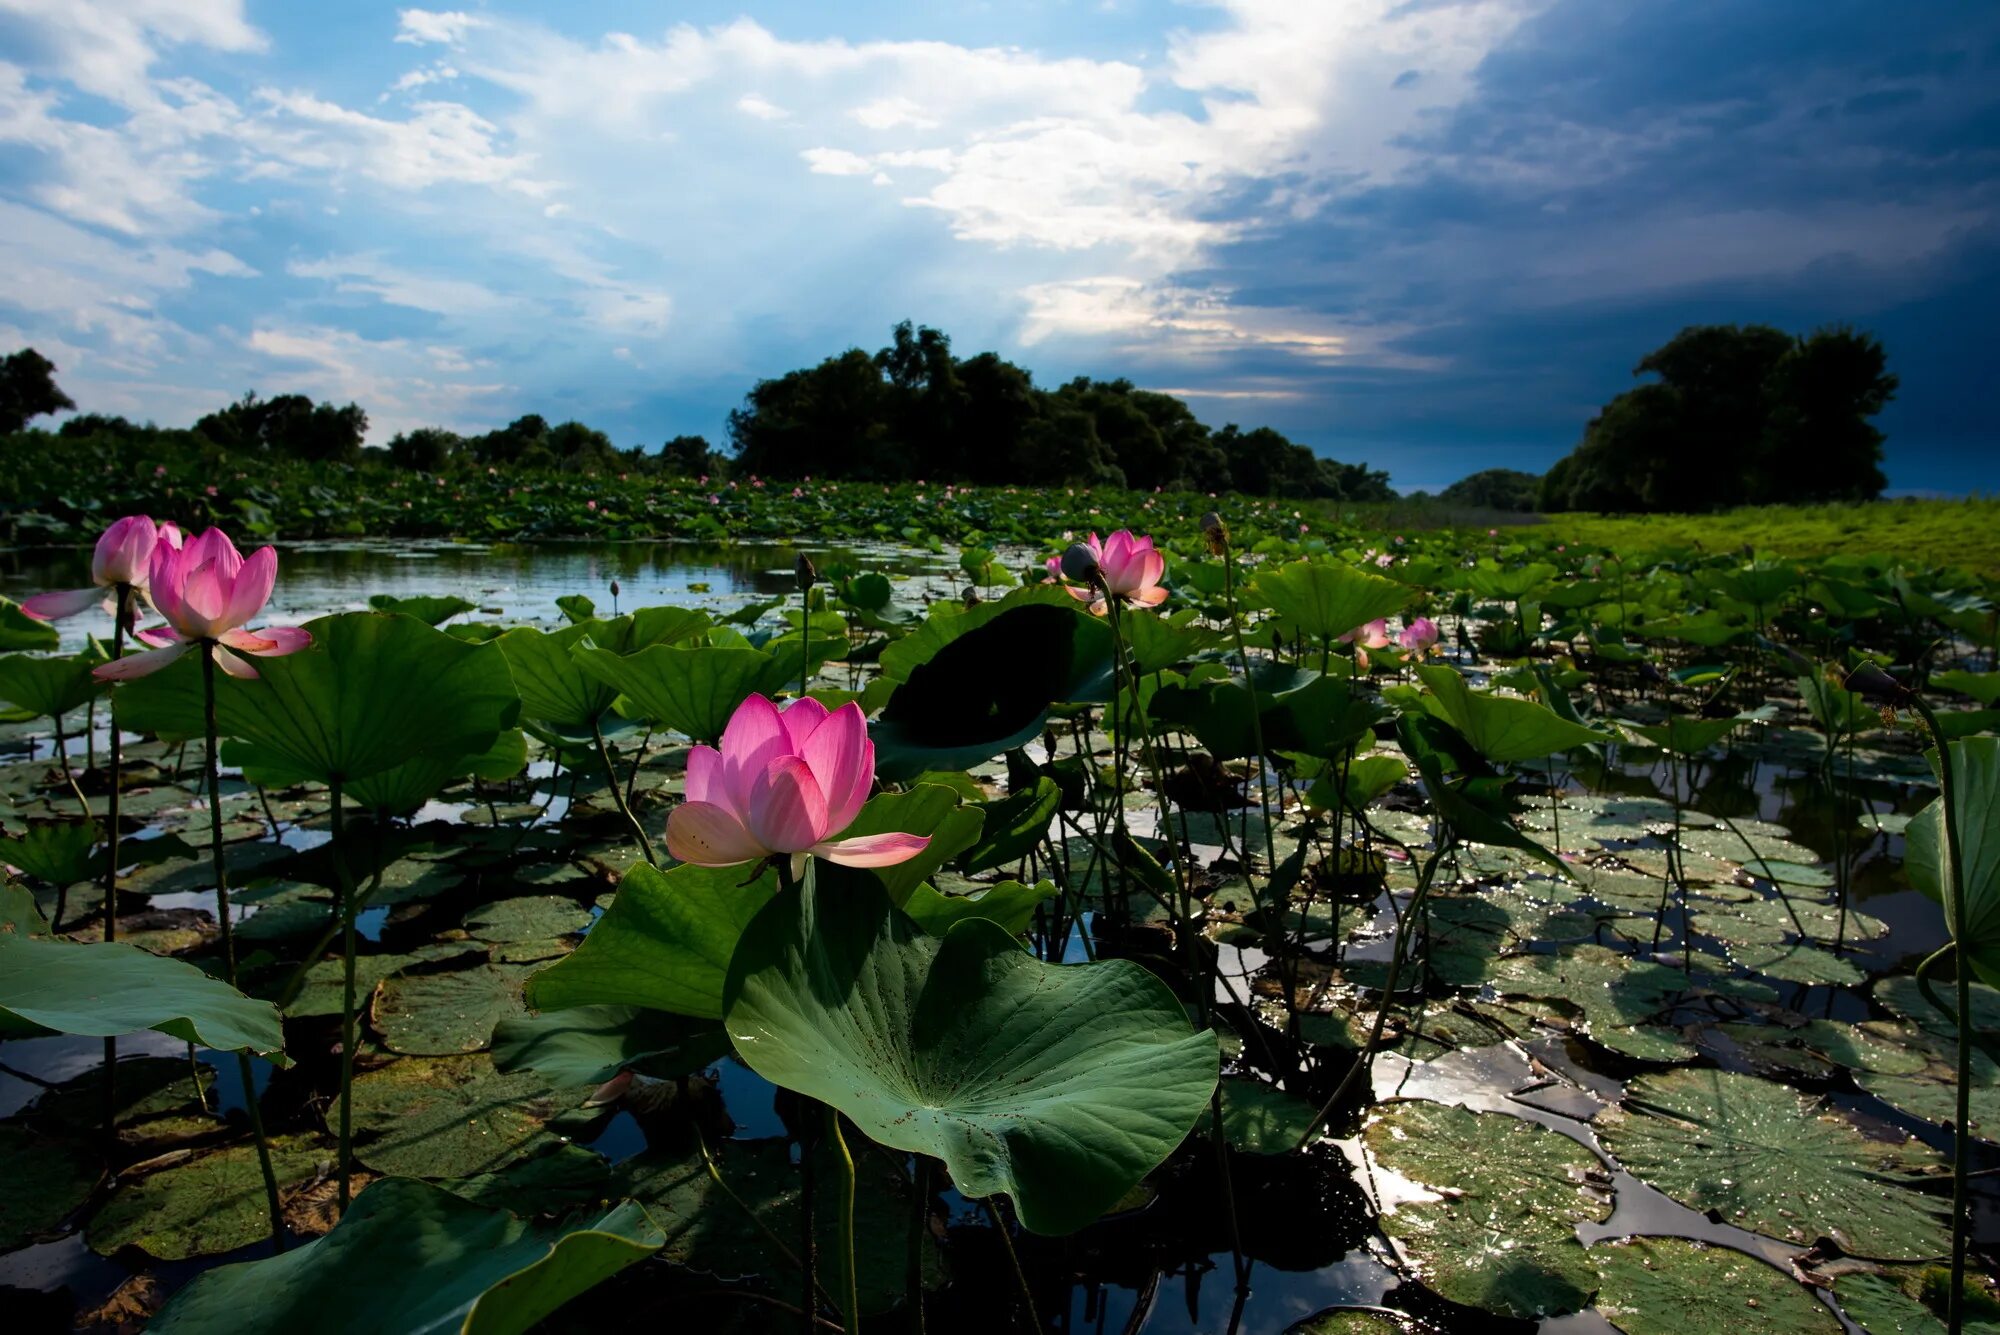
(1432,235)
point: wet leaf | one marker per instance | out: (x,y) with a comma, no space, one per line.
(1502,1234)
(1773,1161)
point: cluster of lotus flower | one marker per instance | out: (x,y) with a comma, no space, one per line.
(786,781)
(202,587)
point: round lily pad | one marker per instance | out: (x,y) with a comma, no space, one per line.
(1882,1305)
(1770,1160)
(453,1116)
(42,1182)
(1501,1232)
(434,1012)
(527,918)
(1671,1286)
(1262,1119)
(1797,963)
(203,1207)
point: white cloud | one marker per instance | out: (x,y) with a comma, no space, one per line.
(439,143)
(836,162)
(370,275)
(445,27)
(750,104)
(109,48)
(886,113)
(403,385)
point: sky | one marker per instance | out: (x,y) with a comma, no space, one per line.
(1427,234)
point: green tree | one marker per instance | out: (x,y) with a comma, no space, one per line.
(428,449)
(28,390)
(1740,414)
(1494,489)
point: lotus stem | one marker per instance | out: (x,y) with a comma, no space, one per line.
(345,875)
(1363,1059)
(913,1282)
(618,796)
(850,1288)
(1961,1157)
(244,1069)
(112,804)
(1013,1259)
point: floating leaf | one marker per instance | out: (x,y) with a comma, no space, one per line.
(1671,1286)
(1768,1159)
(42,1183)
(436,1012)
(204,1207)
(1502,1235)
(452,1116)
(1061,1086)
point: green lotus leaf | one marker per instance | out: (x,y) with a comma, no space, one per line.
(49,687)
(1981,686)
(929,809)
(42,1183)
(1010,904)
(1325,599)
(1015,826)
(373,691)
(664,943)
(1773,1161)
(970,684)
(1060,1086)
(58,852)
(1502,1233)
(1490,580)
(18,630)
(1888,1304)
(109,988)
(1501,728)
(454,1116)
(1671,1286)
(691,690)
(413,1258)
(1683,735)
(1975,778)
(554,689)
(587,1045)
(1259,1118)
(429,608)
(204,1207)
(436,1011)
(1155,643)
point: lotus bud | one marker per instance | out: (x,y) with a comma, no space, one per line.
(614,588)
(803,571)
(1871,681)
(1216,533)
(1080,564)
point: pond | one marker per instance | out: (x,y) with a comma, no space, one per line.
(1645,1055)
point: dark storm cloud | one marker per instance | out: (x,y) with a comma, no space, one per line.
(1619,171)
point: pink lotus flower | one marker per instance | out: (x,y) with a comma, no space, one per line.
(1374,635)
(122,556)
(207,591)
(784,783)
(1122,565)
(1419,636)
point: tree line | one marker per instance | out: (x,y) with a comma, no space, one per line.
(911,411)
(1737,415)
